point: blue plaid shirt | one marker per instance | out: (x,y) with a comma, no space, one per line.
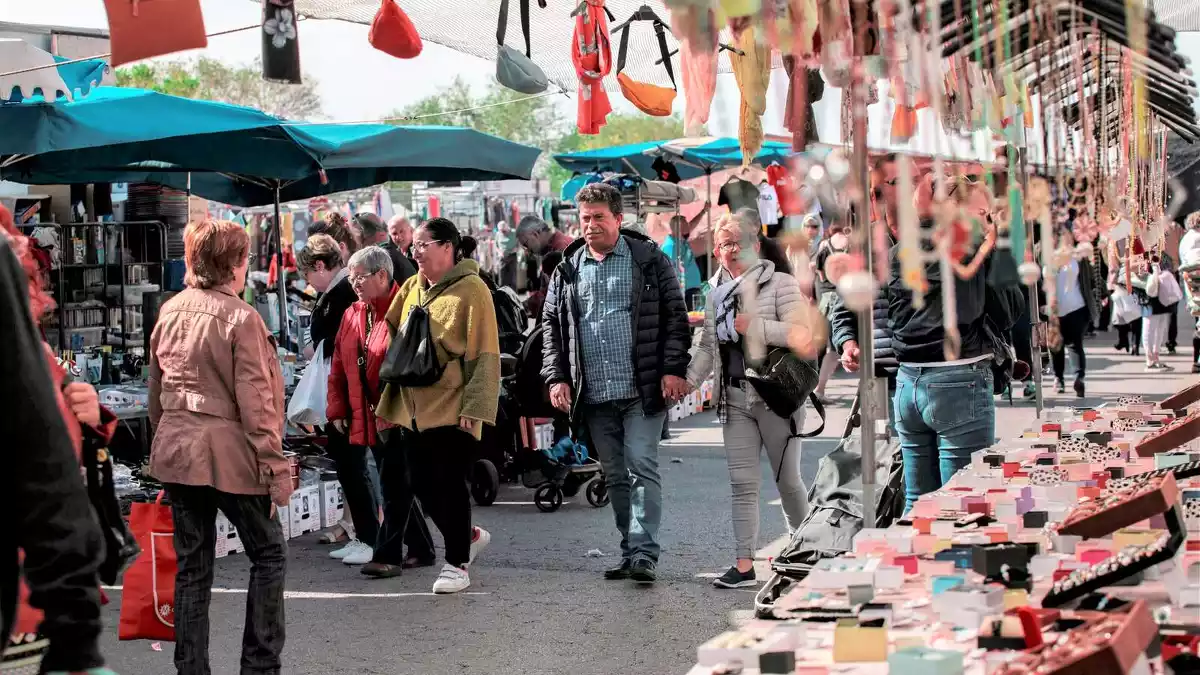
(605,291)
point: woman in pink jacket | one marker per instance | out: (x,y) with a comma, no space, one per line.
(216,401)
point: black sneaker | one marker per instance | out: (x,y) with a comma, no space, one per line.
(1195,368)
(1079,388)
(620,572)
(733,578)
(1060,387)
(642,571)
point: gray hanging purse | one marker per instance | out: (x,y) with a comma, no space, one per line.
(515,70)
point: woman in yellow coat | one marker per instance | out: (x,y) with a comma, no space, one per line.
(440,425)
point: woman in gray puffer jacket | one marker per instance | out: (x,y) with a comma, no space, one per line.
(747,424)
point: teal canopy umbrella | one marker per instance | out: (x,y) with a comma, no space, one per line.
(39,75)
(693,158)
(361,155)
(114,129)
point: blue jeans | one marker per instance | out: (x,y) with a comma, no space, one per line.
(627,442)
(943,414)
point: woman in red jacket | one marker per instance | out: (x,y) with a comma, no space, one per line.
(55,532)
(354,388)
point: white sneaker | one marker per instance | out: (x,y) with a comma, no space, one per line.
(361,555)
(451,580)
(341,553)
(481,539)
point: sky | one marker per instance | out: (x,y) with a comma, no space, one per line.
(357,82)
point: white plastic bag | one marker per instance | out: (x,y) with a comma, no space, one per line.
(307,406)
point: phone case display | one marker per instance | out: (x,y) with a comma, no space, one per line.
(1109,645)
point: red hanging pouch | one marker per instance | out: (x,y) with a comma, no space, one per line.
(143,29)
(392,32)
(148,597)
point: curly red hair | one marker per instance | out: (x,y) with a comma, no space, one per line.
(40,302)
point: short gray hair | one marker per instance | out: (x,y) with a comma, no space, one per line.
(531,225)
(372,259)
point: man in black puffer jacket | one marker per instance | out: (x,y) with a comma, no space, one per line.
(615,351)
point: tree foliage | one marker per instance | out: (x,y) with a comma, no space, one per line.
(538,122)
(212,80)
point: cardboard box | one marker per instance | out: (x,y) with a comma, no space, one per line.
(228,540)
(305,510)
(285,521)
(333,503)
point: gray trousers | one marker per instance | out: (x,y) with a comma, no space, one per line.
(747,430)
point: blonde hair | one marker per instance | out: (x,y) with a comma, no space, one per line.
(745,231)
(320,248)
(212,250)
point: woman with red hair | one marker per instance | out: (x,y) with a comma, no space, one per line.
(55,546)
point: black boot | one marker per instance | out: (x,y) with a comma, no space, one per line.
(1079,389)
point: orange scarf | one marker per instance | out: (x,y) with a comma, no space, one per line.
(591,53)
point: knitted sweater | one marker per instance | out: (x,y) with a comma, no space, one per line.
(463,324)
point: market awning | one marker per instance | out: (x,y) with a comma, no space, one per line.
(692,157)
(350,156)
(114,128)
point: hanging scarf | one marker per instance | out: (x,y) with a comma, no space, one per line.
(725,297)
(697,28)
(592,55)
(753,74)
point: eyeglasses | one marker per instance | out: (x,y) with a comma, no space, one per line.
(359,279)
(729,247)
(422,245)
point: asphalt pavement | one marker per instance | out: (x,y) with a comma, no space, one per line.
(538,604)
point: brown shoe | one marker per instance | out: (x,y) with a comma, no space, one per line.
(381,570)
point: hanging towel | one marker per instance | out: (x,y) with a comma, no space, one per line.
(591,52)
(280,42)
(753,74)
(697,28)
(798,114)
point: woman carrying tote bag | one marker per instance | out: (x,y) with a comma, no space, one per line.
(748,425)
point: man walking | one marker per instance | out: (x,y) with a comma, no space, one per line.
(616,351)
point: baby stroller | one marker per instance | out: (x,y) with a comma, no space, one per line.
(511,447)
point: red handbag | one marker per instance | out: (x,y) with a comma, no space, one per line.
(148,596)
(392,32)
(142,29)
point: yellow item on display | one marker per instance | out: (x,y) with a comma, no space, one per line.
(753,75)
(1130,537)
(738,8)
(1014,598)
(855,644)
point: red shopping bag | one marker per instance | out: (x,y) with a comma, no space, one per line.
(148,598)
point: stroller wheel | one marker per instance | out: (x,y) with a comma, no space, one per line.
(485,482)
(597,492)
(548,498)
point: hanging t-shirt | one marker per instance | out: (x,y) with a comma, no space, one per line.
(739,194)
(768,204)
(786,190)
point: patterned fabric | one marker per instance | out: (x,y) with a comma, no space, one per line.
(605,297)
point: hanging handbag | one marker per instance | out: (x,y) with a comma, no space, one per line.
(412,359)
(649,98)
(1048,335)
(143,30)
(120,547)
(148,595)
(515,70)
(393,33)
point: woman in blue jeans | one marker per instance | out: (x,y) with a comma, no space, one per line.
(944,405)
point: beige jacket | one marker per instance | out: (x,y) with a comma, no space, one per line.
(216,397)
(779,300)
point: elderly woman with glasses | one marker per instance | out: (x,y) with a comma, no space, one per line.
(748,425)
(216,402)
(354,388)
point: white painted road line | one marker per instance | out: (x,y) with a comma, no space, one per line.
(323,595)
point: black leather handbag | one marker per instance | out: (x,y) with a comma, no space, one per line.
(411,359)
(784,382)
(120,546)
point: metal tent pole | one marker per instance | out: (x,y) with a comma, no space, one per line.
(281,276)
(868,410)
(708,259)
